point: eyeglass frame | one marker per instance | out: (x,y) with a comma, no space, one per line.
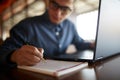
(55,6)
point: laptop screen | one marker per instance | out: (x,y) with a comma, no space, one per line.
(108,34)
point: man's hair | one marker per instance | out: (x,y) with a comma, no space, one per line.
(47,2)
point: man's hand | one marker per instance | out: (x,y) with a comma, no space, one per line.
(27,55)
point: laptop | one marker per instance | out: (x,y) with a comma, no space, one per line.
(107,42)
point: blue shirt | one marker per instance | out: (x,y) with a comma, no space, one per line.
(40,32)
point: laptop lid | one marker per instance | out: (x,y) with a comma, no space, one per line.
(107,38)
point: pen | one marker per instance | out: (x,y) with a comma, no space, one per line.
(43,59)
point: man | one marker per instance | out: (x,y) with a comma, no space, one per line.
(50,33)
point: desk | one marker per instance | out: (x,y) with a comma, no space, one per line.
(108,69)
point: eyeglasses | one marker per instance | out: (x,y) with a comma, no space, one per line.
(55,6)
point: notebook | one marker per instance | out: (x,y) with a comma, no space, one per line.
(55,68)
(107,42)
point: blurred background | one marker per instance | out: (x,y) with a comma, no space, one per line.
(84,16)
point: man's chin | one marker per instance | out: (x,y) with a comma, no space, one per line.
(56,22)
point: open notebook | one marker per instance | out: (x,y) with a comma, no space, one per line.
(55,67)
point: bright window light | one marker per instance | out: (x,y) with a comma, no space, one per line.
(87,24)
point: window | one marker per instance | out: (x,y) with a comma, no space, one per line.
(87,24)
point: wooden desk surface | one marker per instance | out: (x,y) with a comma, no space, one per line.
(108,69)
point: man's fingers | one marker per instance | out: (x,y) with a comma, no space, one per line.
(28,55)
(26,62)
(41,50)
(31,58)
(35,51)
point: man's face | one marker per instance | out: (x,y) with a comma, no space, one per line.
(59,10)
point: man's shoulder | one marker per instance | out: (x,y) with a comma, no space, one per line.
(68,22)
(32,19)
(27,22)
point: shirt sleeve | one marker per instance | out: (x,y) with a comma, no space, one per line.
(15,41)
(79,43)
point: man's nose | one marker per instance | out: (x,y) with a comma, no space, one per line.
(58,12)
